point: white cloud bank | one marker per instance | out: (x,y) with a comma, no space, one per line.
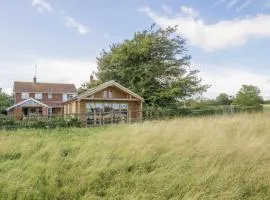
(56,70)
(230,79)
(72,23)
(210,37)
(42,6)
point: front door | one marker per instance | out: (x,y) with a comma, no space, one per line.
(25,111)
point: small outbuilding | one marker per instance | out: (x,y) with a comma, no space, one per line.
(107,103)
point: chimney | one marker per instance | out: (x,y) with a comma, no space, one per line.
(35,77)
(91,78)
(35,80)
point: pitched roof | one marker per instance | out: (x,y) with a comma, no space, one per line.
(103,86)
(25,101)
(43,87)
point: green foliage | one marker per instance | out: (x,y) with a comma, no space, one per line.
(5,101)
(248,95)
(153,64)
(224,99)
(39,123)
(87,85)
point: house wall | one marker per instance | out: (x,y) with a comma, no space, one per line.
(116,93)
(55,97)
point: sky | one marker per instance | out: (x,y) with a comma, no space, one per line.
(229,40)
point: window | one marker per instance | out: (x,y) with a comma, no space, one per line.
(107,107)
(99,107)
(25,95)
(49,95)
(107,94)
(116,106)
(90,108)
(65,98)
(124,106)
(38,95)
(110,94)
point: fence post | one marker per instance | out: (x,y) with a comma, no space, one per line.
(129,116)
(100,118)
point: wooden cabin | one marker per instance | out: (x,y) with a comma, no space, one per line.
(107,103)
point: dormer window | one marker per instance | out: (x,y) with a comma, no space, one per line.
(38,95)
(25,95)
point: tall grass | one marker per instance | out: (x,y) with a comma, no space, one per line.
(223,157)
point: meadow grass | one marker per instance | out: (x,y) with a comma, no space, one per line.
(221,157)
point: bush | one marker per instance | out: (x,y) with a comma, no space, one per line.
(7,122)
(54,122)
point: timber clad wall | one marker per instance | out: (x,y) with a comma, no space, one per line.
(110,103)
(116,93)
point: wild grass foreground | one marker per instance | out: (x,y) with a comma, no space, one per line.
(224,157)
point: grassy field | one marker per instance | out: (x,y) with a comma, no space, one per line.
(223,157)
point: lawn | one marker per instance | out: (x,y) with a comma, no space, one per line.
(222,157)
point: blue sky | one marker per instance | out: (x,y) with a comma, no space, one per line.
(229,40)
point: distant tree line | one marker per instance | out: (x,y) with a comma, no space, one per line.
(248,95)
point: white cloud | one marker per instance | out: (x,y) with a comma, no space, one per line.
(187,11)
(232,3)
(42,6)
(56,70)
(72,23)
(244,5)
(166,9)
(230,79)
(220,35)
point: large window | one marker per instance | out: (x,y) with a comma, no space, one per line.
(124,106)
(38,95)
(25,95)
(90,108)
(116,106)
(99,107)
(107,107)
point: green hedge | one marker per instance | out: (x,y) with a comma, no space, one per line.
(54,122)
(159,113)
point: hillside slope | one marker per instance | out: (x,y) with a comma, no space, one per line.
(224,157)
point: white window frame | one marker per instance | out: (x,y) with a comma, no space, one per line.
(24,95)
(38,95)
(50,95)
(65,97)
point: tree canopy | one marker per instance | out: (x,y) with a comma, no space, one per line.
(154,64)
(224,99)
(248,95)
(5,101)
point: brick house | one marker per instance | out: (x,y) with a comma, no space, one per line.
(36,99)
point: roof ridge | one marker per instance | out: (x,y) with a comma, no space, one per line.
(44,82)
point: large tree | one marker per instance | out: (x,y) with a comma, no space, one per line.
(5,101)
(248,95)
(154,64)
